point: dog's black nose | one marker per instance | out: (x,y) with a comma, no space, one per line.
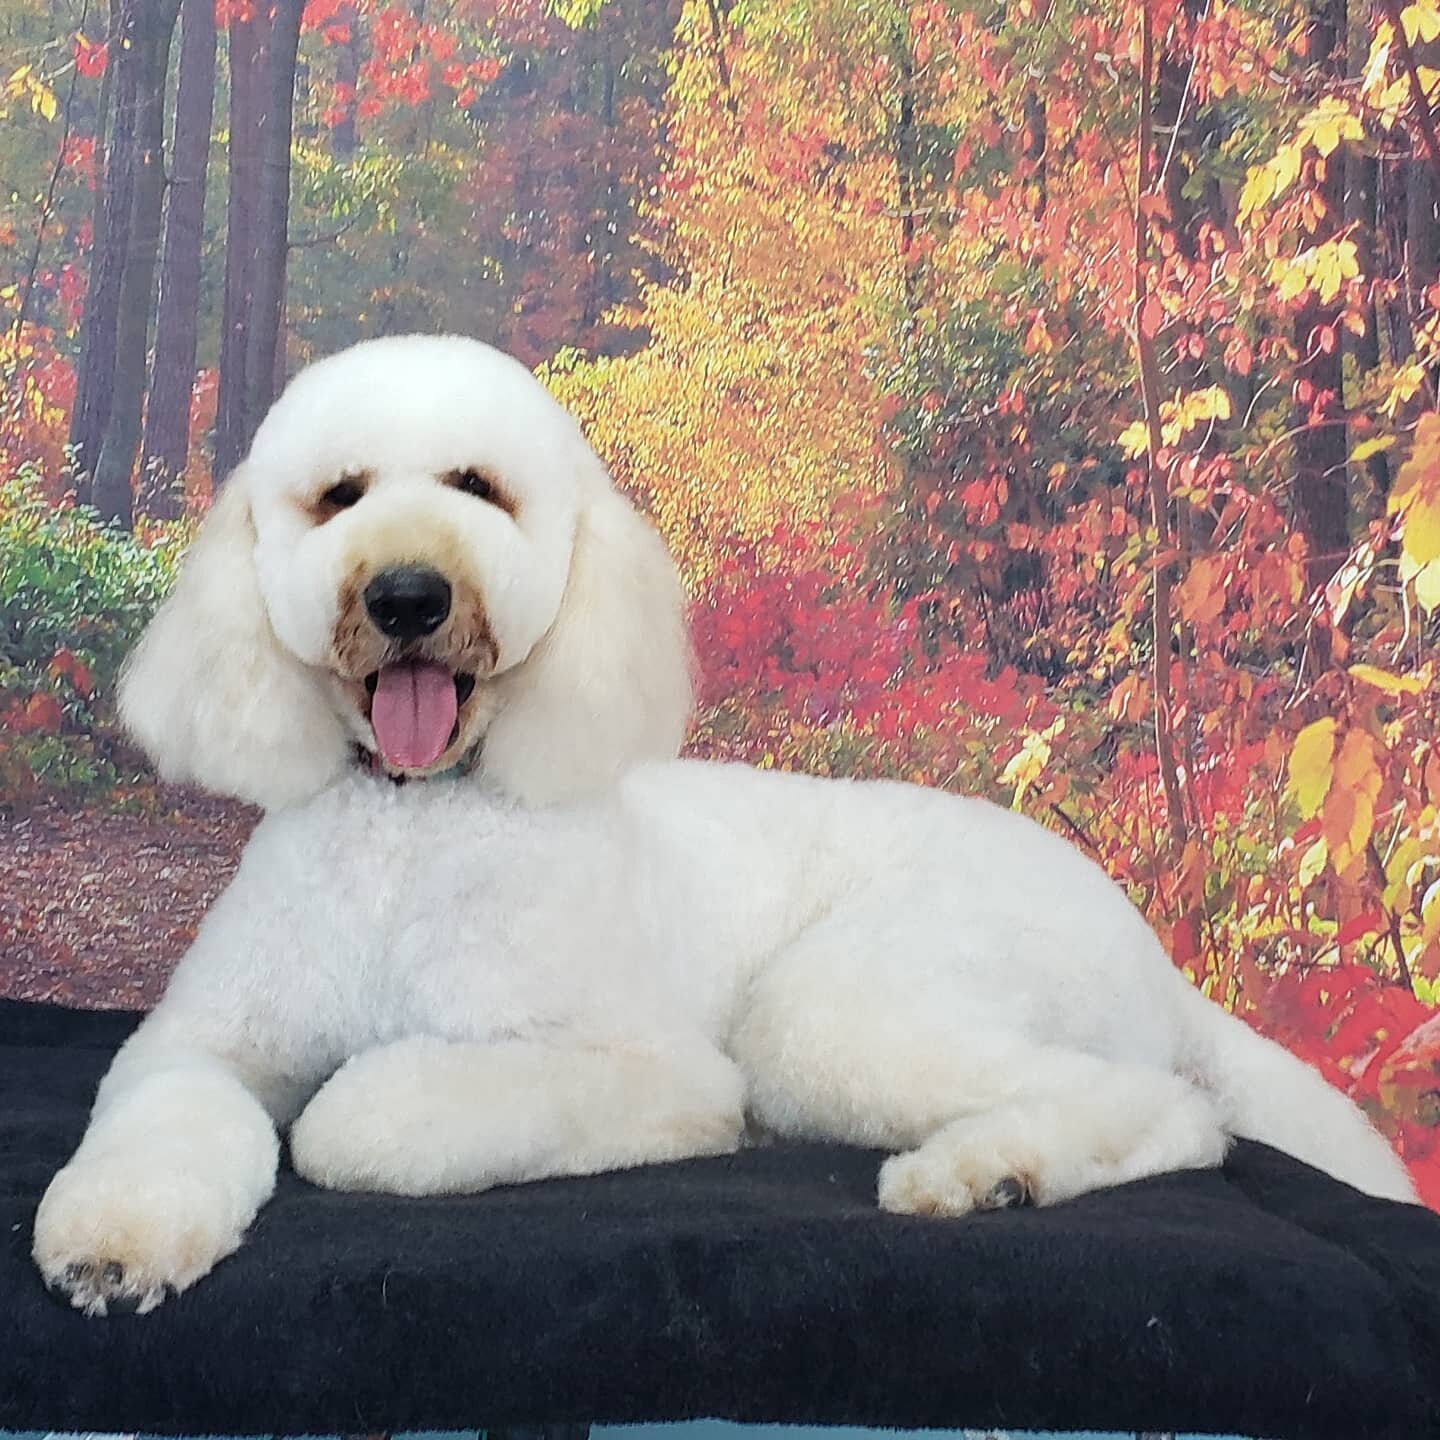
(408,601)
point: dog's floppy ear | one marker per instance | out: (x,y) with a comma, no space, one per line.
(211,694)
(609,685)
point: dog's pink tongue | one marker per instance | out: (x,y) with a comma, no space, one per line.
(413,713)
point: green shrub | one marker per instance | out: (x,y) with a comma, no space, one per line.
(75,594)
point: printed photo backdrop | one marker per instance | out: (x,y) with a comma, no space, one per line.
(1039,396)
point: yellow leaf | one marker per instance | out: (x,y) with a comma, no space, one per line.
(1384,680)
(1366,448)
(1330,122)
(1135,439)
(1427,587)
(1311,765)
(1430,915)
(1286,165)
(1406,382)
(1290,276)
(1421,537)
(1022,772)
(1027,764)
(1326,135)
(1408,856)
(1423,461)
(1421,21)
(1327,272)
(1377,66)
(1258,191)
(1416,496)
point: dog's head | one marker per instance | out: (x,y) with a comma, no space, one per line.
(423,558)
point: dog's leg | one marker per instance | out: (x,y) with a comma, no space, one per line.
(179,1155)
(1087,1124)
(425,1116)
(901,1053)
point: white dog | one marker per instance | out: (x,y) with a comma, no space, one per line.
(557,950)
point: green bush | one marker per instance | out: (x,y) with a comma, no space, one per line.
(75,594)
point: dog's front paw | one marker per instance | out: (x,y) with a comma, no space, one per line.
(112,1236)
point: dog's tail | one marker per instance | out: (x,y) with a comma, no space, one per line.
(1270,1095)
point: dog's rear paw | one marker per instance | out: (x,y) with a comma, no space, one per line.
(946,1179)
(110,1239)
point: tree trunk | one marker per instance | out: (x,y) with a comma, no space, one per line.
(242,206)
(1186,941)
(114,195)
(1175,123)
(81,406)
(1362,219)
(1421,252)
(272,235)
(603,218)
(907,178)
(167,418)
(1033,144)
(1319,489)
(1397,339)
(150,54)
(263,50)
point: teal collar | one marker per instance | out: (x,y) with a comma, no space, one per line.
(371,764)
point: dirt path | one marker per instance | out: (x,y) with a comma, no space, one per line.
(96,906)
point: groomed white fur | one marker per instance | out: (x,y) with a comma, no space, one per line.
(452,985)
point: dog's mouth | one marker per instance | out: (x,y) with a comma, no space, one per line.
(415,710)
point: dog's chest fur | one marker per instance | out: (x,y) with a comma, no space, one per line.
(440,909)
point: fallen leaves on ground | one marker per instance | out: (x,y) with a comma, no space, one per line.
(97,905)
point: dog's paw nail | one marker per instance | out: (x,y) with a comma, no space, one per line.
(78,1272)
(114,1273)
(1009,1193)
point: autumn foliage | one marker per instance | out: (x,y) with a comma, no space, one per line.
(1039,397)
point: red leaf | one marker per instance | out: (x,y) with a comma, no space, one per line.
(90,59)
(42,714)
(1372,922)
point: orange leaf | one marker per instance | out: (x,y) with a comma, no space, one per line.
(1349,816)
(43,713)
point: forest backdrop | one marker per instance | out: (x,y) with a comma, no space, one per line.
(1039,396)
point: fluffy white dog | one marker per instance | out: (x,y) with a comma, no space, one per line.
(558,950)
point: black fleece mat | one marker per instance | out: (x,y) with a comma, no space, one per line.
(1266,1300)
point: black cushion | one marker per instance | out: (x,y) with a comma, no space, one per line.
(1265,1299)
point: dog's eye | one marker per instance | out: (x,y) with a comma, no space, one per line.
(477,483)
(342,495)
